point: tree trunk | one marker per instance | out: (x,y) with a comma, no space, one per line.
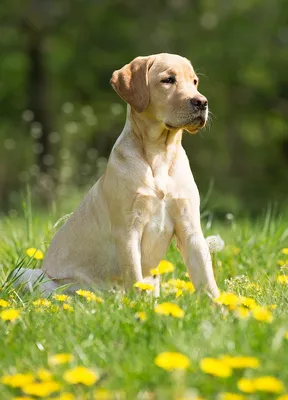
(37,93)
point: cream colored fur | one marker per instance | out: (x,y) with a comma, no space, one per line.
(147,194)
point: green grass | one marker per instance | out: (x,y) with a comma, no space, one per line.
(108,337)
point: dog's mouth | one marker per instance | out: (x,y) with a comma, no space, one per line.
(197,123)
(192,126)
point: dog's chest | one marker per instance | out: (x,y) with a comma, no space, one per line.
(160,220)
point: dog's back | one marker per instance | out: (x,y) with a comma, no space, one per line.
(82,249)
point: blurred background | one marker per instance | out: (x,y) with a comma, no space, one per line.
(59,117)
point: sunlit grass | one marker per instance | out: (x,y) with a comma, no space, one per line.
(127,346)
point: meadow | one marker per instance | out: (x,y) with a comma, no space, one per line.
(98,345)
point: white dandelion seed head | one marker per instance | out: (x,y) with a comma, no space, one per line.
(215,243)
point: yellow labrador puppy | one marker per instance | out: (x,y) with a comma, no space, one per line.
(147,194)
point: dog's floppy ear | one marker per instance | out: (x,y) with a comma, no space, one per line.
(131,82)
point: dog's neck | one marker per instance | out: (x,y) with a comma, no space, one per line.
(159,144)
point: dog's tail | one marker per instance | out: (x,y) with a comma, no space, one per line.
(32,280)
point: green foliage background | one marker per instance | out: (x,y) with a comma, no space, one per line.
(239,49)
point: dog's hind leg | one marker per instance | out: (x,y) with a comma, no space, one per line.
(32,280)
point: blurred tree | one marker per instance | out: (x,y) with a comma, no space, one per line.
(239,50)
(37,90)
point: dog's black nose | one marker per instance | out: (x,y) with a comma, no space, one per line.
(200,102)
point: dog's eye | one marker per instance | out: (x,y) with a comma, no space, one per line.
(170,79)
(195,82)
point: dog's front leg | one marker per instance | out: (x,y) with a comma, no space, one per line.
(197,258)
(129,257)
(195,253)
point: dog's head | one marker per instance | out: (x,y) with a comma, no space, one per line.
(164,86)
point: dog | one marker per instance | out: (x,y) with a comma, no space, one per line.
(147,194)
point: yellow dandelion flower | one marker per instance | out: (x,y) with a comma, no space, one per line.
(53,309)
(268,384)
(142,316)
(172,361)
(164,267)
(61,297)
(284,397)
(262,314)
(169,309)
(143,286)
(98,299)
(103,394)
(272,306)
(33,252)
(246,385)
(44,375)
(236,250)
(81,375)
(17,380)
(242,312)
(176,283)
(228,299)
(179,293)
(189,287)
(42,389)
(248,302)
(67,307)
(60,358)
(282,263)
(4,303)
(84,293)
(282,279)
(286,335)
(285,250)
(42,303)
(215,367)
(154,271)
(231,396)
(65,396)
(89,296)
(10,314)
(240,362)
